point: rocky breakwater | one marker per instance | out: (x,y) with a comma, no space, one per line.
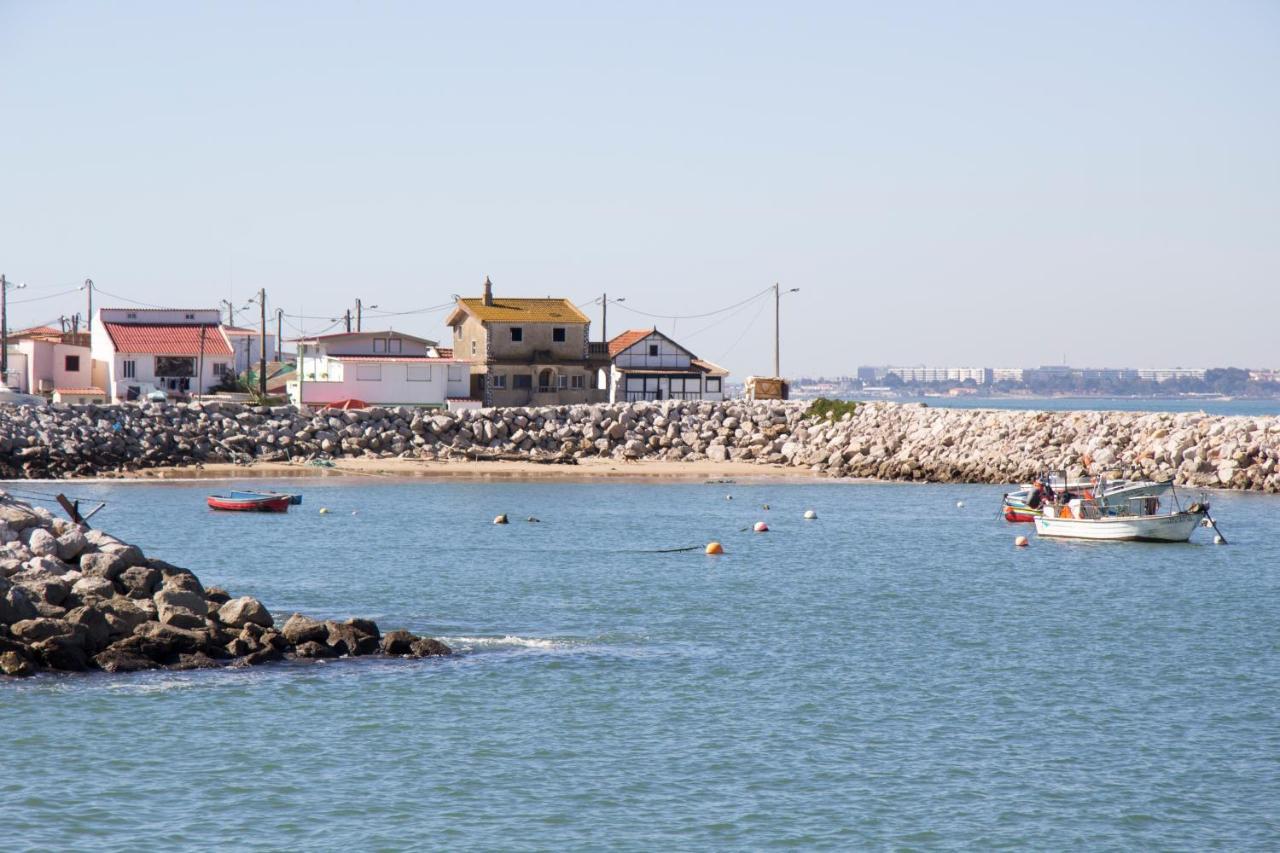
(882,440)
(75,599)
(67,441)
(912,442)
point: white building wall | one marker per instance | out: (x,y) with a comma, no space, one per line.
(390,383)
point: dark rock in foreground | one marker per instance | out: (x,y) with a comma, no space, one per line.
(75,599)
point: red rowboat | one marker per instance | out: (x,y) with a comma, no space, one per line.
(266,503)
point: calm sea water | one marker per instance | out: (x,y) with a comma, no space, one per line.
(894,674)
(1208,405)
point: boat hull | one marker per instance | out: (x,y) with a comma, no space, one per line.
(260,504)
(248,494)
(1176,527)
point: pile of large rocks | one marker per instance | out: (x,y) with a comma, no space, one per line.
(884,440)
(74,599)
(913,442)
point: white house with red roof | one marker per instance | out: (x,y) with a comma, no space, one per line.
(648,365)
(383,368)
(176,350)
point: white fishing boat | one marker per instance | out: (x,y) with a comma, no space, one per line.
(1141,520)
(1028,503)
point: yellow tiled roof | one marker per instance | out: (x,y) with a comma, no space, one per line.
(524,310)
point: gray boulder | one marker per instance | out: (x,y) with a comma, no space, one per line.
(299,629)
(180,607)
(245,610)
(138,581)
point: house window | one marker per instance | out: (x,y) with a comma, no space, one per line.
(379,345)
(369,372)
(653,349)
(132,315)
(129,368)
(418,372)
(393,345)
(473,347)
(522,380)
(577,381)
(189,316)
(713,385)
(175,366)
(455,373)
(557,334)
(517,334)
(562,381)
(497,380)
(72,363)
(219,368)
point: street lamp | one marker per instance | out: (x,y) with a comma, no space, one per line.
(5,284)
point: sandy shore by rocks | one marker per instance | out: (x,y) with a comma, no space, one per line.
(585,469)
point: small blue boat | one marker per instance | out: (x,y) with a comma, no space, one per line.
(247,495)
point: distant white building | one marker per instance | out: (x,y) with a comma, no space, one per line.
(647,365)
(246,345)
(176,350)
(1164,374)
(384,368)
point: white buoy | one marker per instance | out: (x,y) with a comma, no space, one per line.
(1217,540)
(959,504)
(324,510)
(761,527)
(728,497)
(810,514)
(501,519)
(1021,542)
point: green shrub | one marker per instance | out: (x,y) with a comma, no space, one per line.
(832,410)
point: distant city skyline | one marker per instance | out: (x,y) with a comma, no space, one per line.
(995,184)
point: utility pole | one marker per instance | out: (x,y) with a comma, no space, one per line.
(359,316)
(231,311)
(604,317)
(4,329)
(348,321)
(200,369)
(777,328)
(279,333)
(262,345)
(62,321)
(4,332)
(88,286)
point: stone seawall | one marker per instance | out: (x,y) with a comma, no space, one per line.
(882,440)
(74,599)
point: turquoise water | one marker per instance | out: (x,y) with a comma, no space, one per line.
(894,674)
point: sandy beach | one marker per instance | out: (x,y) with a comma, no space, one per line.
(586,469)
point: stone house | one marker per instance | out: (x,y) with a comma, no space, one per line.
(527,352)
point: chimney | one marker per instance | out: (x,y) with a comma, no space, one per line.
(488,291)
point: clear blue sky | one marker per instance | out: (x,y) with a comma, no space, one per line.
(961,183)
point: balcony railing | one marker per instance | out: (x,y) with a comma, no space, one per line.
(637,396)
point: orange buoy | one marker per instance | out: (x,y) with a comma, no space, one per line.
(715,548)
(1021,542)
(761,527)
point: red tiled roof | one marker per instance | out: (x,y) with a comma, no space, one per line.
(36,332)
(445,352)
(414,359)
(83,392)
(167,338)
(239,330)
(626,339)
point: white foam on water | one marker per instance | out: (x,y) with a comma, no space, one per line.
(510,641)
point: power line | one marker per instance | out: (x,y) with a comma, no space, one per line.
(625,307)
(42,298)
(127,299)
